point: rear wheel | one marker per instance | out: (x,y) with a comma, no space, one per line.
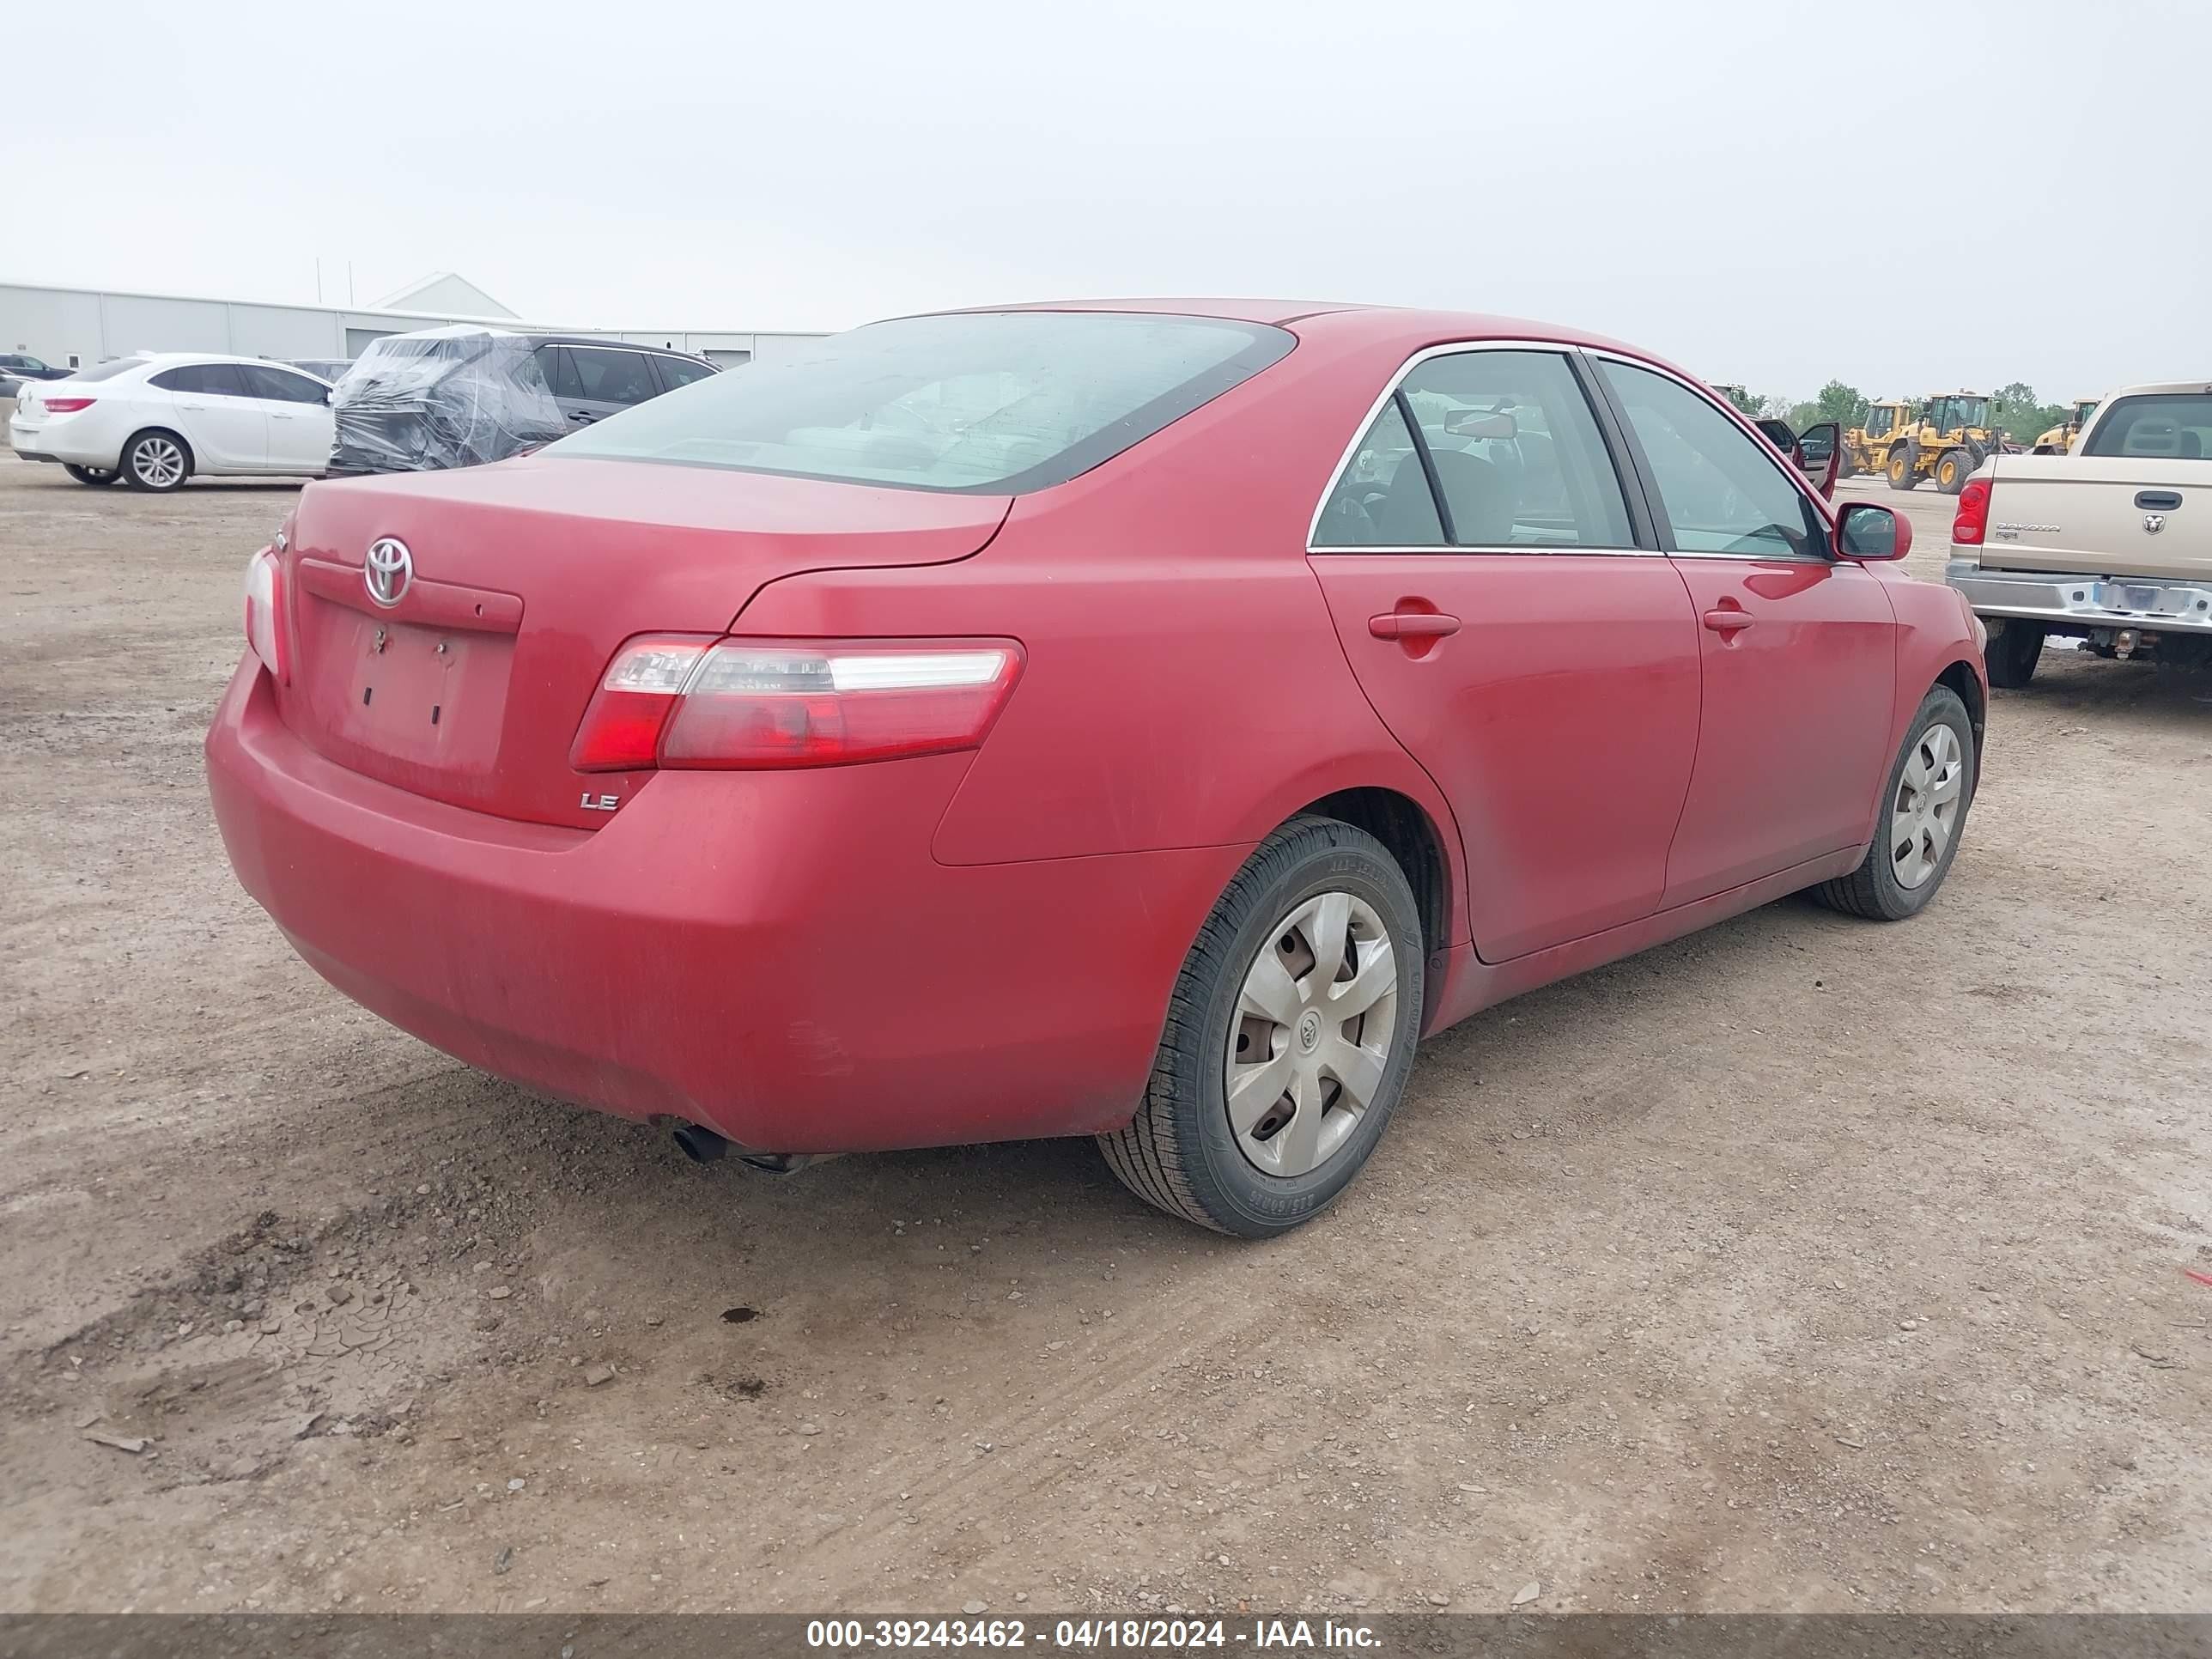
(1904,467)
(1951,470)
(1847,465)
(156,460)
(2013,652)
(89,475)
(1923,810)
(1288,1038)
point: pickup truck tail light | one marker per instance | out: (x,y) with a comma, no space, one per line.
(739,705)
(1971,521)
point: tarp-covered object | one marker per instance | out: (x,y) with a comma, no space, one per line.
(444,398)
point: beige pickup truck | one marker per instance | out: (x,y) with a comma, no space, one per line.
(2111,545)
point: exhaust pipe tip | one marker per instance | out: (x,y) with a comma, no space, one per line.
(701,1145)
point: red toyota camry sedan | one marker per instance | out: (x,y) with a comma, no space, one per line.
(1139,720)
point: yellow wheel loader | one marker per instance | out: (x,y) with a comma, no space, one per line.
(1944,437)
(2062,438)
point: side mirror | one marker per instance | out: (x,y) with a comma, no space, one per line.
(1870,533)
(1818,455)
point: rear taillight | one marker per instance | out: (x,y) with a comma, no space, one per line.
(622,728)
(1971,521)
(264,614)
(737,704)
(65,406)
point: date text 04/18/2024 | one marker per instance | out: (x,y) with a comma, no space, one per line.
(1160,1634)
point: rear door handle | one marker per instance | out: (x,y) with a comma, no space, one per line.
(1728,619)
(2157,501)
(1411,625)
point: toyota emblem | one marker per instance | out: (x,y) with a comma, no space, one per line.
(389,568)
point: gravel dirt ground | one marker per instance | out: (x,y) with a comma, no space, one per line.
(1803,1264)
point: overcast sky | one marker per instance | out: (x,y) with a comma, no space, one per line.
(1771,193)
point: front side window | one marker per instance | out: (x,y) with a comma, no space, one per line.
(2174,423)
(986,402)
(612,377)
(1719,492)
(681,371)
(1512,446)
(281,385)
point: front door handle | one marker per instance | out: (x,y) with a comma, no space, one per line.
(1729,619)
(1411,625)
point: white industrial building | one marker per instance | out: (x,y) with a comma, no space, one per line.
(80,326)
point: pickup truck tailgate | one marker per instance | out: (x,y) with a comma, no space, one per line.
(2126,516)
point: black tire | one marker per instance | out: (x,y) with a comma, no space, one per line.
(1952,467)
(1903,465)
(1180,1153)
(96,476)
(1847,465)
(1873,889)
(139,469)
(2013,652)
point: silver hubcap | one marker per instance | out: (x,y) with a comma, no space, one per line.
(158,462)
(1310,1037)
(1925,813)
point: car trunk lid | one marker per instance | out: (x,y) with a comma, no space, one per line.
(462,674)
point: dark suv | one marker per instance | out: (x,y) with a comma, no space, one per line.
(591,379)
(463,395)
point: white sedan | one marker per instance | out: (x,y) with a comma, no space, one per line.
(155,419)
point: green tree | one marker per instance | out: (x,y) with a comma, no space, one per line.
(1845,405)
(2018,412)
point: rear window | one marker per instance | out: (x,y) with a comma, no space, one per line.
(990,403)
(395,346)
(2177,425)
(109,369)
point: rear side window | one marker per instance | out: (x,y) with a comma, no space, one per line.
(1382,498)
(1508,439)
(560,372)
(993,402)
(1516,451)
(206,379)
(2176,424)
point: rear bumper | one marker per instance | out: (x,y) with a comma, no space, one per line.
(774,955)
(59,438)
(2089,600)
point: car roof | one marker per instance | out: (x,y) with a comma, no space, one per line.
(2157,388)
(536,339)
(1347,321)
(166,358)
